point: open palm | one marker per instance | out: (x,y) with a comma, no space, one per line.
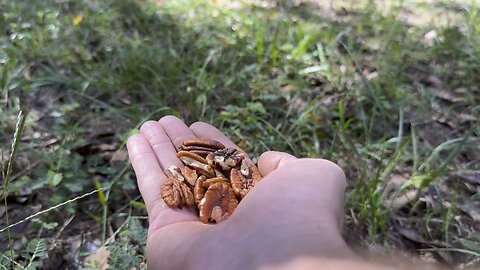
(294,211)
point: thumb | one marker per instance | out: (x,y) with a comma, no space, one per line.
(272,160)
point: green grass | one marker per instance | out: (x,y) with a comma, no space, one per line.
(365,89)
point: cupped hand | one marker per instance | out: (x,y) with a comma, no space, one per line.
(294,212)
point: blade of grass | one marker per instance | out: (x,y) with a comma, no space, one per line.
(400,128)
(49,209)
(6,179)
(415,150)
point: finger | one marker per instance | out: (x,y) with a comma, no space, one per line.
(271,160)
(204,130)
(150,179)
(176,129)
(150,176)
(318,183)
(161,144)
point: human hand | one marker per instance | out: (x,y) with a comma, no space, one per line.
(294,212)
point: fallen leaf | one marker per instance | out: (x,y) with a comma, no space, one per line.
(445,94)
(77,20)
(401,200)
(99,259)
(472,208)
(119,156)
(473,178)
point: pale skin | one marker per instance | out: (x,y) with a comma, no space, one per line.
(291,220)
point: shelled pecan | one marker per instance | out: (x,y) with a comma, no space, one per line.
(218,204)
(215,178)
(176,193)
(201,147)
(225,158)
(196,162)
(244,179)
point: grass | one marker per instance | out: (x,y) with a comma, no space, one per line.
(393,103)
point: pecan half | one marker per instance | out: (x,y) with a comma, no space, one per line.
(204,142)
(244,179)
(240,185)
(201,153)
(199,189)
(219,173)
(195,147)
(244,168)
(190,175)
(196,162)
(218,204)
(176,193)
(214,180)
(255,174)
(174,171)
(199,150)
(225,158)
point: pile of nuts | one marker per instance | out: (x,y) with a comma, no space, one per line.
(215,178)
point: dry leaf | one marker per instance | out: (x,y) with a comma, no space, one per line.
(401,200)
(99,259)
(472,208)
(77,20)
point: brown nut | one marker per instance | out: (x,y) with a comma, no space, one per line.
(255,174)
(196,162)
(199,189)
(190,175)
(199,150)
(201,153)
(195,147)
(242,182)
(244,168)
(240,185)
(203,142)
(219,173)
(225,158)
(174,171)
(218,204)
(176,193)
(214,180)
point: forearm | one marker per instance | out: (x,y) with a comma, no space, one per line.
(325,263)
